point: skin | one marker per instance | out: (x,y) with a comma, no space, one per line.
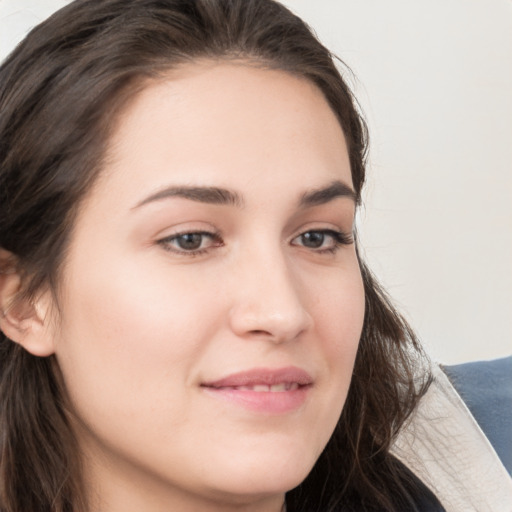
(142,323)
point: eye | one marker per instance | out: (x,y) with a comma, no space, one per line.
(191,243)
(323,240)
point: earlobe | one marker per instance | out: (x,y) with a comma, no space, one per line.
(24,321)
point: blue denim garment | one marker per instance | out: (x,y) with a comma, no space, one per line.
(486,388)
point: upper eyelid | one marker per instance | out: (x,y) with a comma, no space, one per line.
(211,234)
(329,232)
(324,227)
(190,232)
(184,228)
(217,233)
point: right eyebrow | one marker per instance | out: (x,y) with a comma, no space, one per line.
(210,195)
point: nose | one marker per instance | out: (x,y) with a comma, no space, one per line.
(268,301)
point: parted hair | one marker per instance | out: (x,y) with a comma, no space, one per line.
(61,91)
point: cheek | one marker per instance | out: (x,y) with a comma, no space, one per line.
(127,337)
(339,321)
(339,306)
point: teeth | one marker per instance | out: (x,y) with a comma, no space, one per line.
(274,388)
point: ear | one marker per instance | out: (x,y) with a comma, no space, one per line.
(24,321)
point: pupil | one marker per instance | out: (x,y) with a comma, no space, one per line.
(313,239)
(190,241)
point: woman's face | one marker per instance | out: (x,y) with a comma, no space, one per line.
(211,299)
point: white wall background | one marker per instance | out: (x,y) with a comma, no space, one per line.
(434,79)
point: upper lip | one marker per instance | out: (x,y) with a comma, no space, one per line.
(263,376)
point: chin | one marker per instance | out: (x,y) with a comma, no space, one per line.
(267,461)
(263,477)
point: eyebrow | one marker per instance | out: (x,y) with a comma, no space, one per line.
(223,196)
(210,195)
(326,194)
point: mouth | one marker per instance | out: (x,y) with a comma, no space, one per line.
(263,390)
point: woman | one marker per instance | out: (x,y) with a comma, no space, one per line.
(187,324)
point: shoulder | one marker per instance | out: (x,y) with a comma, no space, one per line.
(449,451)
(486,388)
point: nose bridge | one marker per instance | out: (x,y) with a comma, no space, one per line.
(268,302)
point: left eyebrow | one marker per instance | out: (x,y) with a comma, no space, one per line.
(323,195)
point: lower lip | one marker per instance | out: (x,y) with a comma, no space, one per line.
(265,402)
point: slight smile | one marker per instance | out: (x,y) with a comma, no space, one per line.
(263,390)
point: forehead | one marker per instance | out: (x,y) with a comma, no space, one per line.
(228,124)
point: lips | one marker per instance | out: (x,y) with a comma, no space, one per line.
(263,388)
(272,391)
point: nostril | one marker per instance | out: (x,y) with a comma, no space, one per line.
(260,332)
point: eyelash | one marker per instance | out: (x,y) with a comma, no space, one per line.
(339,239)
(166,242)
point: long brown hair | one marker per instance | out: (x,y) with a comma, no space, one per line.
(60,93)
